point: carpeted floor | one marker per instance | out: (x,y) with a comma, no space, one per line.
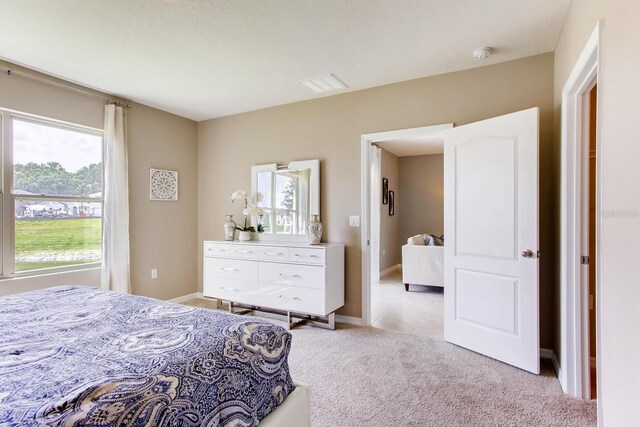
(376,378)
(371,377)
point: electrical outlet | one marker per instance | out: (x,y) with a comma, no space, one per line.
(354,221)
(384,252)
(154,273)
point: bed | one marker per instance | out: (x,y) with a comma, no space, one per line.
(80,356)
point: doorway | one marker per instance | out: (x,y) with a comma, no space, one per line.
(407,222)
(580,224)
(490,261)
(378,213)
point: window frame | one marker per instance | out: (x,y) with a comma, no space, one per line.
(8,198)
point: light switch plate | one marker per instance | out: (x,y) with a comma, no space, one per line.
(354,221)
(154,273)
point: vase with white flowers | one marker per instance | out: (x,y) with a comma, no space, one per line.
(250,209)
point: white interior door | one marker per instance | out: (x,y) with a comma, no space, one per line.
(491,238)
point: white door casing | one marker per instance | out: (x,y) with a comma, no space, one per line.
(491,218)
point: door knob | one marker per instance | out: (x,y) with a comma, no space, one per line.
(527,253)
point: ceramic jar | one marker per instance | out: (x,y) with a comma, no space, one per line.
(314,230)
(229,228)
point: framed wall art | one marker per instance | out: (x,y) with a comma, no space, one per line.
(385,191)
(163,185)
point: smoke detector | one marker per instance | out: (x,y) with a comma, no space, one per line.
(482,53)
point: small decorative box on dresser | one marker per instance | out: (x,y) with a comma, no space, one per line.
(306,282)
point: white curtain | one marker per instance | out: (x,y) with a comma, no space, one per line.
(115,216)
(376,201)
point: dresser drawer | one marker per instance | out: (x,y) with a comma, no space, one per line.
(232,290)
(306,276)
(245,251)
(217,249)
(301,300)
(307,255)
(231,269)
(273,253)
(231,251)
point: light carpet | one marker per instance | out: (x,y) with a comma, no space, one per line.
(362,376)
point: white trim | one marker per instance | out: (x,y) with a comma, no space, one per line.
(184,298)
(358,321)
(547,353)
(391,269)
(574,357)
(365,200)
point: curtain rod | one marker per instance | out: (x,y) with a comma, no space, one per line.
(11,72)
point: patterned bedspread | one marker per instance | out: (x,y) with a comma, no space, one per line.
(79,356)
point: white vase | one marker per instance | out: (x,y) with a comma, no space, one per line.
(244,235)
(229,228)
(314,230)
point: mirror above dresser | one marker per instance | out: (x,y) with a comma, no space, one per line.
(288,196)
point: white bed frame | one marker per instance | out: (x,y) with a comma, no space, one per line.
(295,411)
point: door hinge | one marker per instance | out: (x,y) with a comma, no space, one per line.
(367,243)
(584,260)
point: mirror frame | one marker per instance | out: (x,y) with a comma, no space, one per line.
(314,194)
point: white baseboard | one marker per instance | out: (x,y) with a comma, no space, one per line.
(547,353)
(186,297)
(349,320)
(389,270)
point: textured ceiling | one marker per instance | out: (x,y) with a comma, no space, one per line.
(210,58)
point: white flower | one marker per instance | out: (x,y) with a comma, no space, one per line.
(240,194)
(252,211)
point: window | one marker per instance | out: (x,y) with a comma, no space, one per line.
(54,178)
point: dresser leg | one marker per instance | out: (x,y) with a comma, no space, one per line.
(329,324)
(292,324)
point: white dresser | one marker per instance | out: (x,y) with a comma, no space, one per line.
(291,277)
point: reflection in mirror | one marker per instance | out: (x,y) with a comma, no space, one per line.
(283,195)
(288,196)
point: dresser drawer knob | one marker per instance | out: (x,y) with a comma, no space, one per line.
(229,269)
(244,252)
(273,253)
(310,256)
(229,289)
(293,298)
(293,276)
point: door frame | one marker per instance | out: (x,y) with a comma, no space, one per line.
(365,201)
(574,304)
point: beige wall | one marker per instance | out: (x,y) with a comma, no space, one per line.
(163,234)
(390,254)
(422,183)
(330,128)
(619,109)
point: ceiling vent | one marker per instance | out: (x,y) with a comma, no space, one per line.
(325,83)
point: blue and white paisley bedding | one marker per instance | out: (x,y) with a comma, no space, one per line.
(80,356)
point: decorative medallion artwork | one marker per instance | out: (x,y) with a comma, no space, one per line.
(163,185)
